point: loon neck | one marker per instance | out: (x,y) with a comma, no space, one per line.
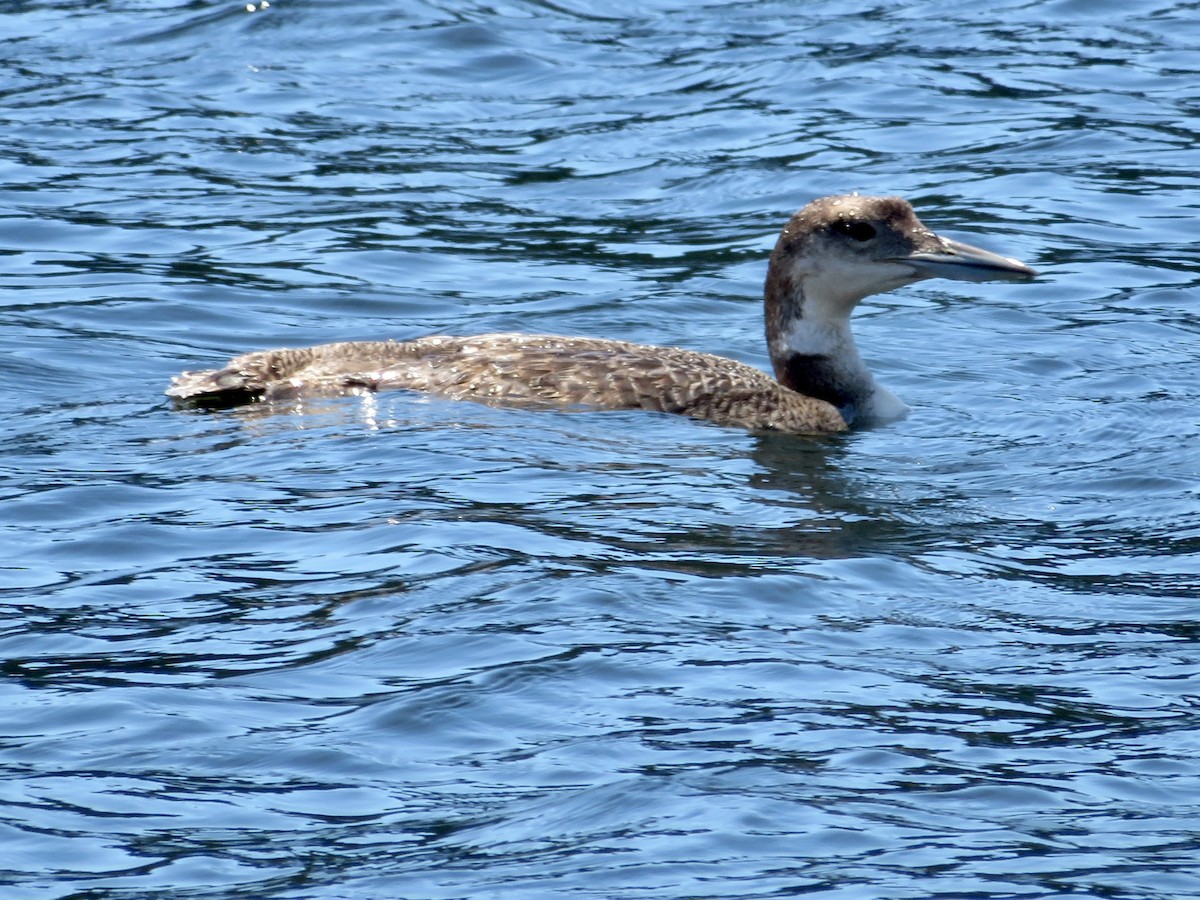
(813,352)
(821,360)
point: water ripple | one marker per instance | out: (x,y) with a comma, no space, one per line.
(396,646)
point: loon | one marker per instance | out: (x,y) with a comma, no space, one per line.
(831,254)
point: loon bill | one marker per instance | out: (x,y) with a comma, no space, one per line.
(830,255)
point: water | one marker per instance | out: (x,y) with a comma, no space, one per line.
(411,648)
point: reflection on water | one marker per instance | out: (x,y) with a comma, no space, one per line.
(395,646)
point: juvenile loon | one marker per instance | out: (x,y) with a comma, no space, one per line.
(831,254)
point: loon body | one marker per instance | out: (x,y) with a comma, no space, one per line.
(830,255)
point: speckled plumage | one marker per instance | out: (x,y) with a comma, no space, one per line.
(830,254)
(525,370)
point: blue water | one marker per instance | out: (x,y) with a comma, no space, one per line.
(406,648)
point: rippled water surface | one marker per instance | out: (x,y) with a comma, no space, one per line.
(402,647)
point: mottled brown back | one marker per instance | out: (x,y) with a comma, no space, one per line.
(521,370)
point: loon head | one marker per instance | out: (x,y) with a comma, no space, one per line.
(838,250)
(832,254)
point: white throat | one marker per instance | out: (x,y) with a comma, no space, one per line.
(825,363)
(822,337)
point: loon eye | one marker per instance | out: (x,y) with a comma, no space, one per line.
(856,229)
